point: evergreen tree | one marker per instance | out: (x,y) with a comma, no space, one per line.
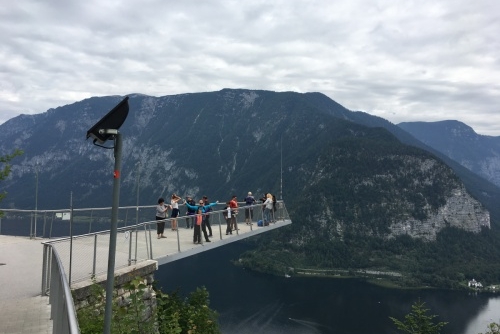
(5,169)
(418,321)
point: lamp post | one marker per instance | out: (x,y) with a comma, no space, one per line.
(106,129)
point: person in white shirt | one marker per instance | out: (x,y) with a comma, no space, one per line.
(268,207)
(175,210)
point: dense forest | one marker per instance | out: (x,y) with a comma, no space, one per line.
(368,184)
(450,262)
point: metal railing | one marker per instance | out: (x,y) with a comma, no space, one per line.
(77,258)
(61,222)
(86,255)
(62,313)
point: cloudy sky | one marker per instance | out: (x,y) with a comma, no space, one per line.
(403,60)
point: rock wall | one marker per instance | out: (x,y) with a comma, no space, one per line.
(82,291)
(461,211)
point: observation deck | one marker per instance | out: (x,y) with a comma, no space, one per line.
(81,257)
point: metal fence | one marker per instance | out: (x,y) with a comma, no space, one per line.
(86,255)
(66,222)
(62,313)
(75,256)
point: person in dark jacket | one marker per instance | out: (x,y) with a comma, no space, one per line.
(190,212)
(249,201)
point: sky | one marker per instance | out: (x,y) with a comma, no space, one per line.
(402,60)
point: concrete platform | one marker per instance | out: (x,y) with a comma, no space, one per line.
(90,252)
(22,308)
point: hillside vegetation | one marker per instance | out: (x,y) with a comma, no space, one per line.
(360,193)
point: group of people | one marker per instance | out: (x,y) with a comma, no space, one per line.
(161,214)
(198,215)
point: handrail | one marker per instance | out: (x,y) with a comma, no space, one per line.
(81,209)
(57,284)
(63,313)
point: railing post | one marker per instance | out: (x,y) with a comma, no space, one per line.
(220,226)
(90,223)
(44,223)
(51,223)
(31,226)
(44,270)
(136,235)
(178,239)
(129,246)
(150,244)
(95,256)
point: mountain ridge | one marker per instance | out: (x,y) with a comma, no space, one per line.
(478,153)
(347,175)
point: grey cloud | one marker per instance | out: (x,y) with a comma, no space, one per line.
(411,60)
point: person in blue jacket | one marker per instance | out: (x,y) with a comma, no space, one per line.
(204,209)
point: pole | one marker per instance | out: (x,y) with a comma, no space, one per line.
(281,169)
(70,235)
(113,232)
(137,202)
(136,217)
(36,197)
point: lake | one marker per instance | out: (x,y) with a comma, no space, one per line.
(251,302)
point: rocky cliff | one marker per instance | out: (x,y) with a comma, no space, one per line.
(233,141)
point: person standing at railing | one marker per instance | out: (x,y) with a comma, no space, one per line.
(197,227)
(206,218)
(161,215)
(201,205)
(268,207)
(226,213)
(190,212)
(249,200)
(175,210)
(233,204)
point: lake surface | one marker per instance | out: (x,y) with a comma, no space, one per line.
(250,302)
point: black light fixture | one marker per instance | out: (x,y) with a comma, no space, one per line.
(112,121)
(102,131)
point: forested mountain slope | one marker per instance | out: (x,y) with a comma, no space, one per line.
(351,187)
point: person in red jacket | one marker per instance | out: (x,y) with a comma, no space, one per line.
(233,204)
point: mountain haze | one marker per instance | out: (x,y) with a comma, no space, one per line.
(458,141)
